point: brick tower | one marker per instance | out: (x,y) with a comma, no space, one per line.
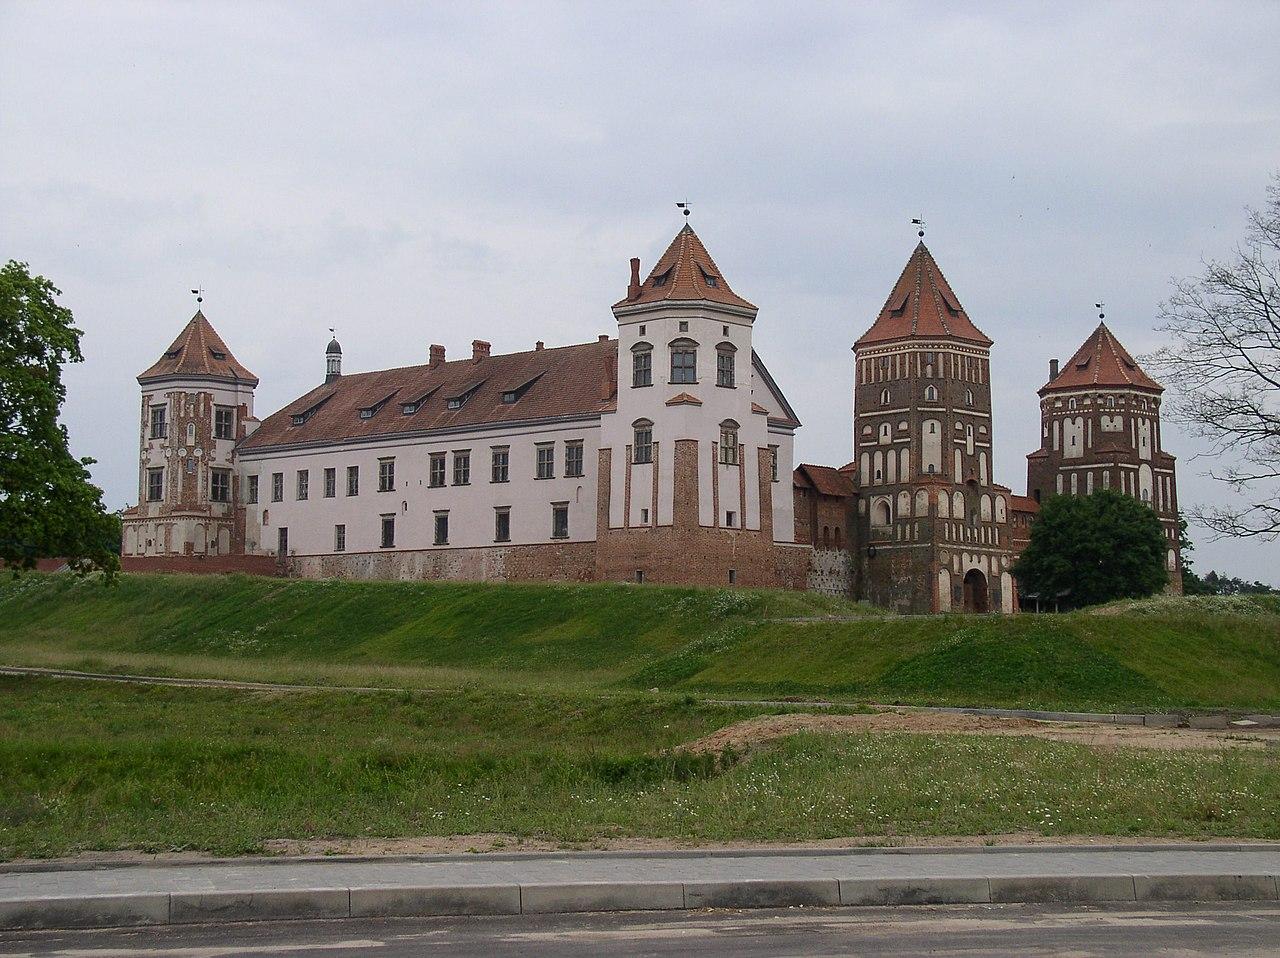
(197,401)
(934,527)
(1100,429)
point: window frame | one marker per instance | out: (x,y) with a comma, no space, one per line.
(501,523)
(729,451)
(641,365)
(642,427)
(224,415)
(302,485)
(353,481)
(683,373)
(340,537)
(387,474)
(251,491)
(155,484)
(330,482)
(559,511)
(574,465)
(726,366)
(438,517)
(500,471)
(277,487)
(387,523)
(437,470)
(159,417)
(544,456)
(462,467)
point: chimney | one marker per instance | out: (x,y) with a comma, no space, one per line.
(1053,370)
(480,350)
(609,383)
(603,337)
(633,291)
(539,346)
(437,355)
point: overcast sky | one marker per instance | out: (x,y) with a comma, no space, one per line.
(424,173)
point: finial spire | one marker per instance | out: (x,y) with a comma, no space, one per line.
(1098,307)
(199,295)
(687,209)
(918,222)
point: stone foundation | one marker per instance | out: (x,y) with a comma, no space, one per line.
(551,562)
(202,565)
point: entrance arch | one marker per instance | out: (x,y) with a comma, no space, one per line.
(976,595)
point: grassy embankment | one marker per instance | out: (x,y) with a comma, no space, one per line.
(1178,654)
(540,723)
(92,766)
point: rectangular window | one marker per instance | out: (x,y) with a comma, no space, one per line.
(546,468)
(642,368)
(252,495)
(684,365)
(644,517)
(560,520)
(220,485)
(155,485)
(501,464)
(388,532)
(731,519)
(642,448)
(158,423)
(339,538)
(733,576)
(773,463)
(729,446)
(277,487)
(724,369)
(435,473)
(330,483)
(386,475)
(353,480)
(573,458)
(502,524)
(304,483)
(442,529)
(462,468)
(224,422)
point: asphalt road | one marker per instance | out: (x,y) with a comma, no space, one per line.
(988,930)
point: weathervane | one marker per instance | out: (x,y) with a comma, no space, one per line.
(920,223)
(198,294)
(687,210)
(1101,314)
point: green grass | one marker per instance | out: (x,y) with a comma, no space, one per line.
(89,766)
(1150,655)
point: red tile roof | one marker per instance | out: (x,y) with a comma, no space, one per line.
(1023,504)
(826,480)
(1101,361)
(685,272)
(566,382)
(922,304)
(198,351)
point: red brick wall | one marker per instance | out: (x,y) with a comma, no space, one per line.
(201,565)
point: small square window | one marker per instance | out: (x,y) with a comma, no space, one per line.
(644,517)
(684,325)
(733,576)
(641,329)
(731,519)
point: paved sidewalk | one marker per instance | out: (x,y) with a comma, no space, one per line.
(544,883)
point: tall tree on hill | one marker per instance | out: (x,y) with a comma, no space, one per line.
(1094,548)
(1225,364)
(48,506)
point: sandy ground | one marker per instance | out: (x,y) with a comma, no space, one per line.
(750,733)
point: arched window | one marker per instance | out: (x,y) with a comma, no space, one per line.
(641,365)
(729,443)
(1071,403)
(1111,402)
(642,441)
(884,397)
(724,364)
(684,361)
(968,397)
(930,394)
(837,537)
(826,536)
(882,513)
(885,432)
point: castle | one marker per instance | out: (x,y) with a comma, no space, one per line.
(662,455)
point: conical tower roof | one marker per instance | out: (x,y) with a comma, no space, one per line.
(198,352)
(686,272)
(1101,362)
(922,304)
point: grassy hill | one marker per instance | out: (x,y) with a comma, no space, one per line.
(1158,654)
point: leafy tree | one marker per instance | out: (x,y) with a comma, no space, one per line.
(1192,584)
(1225,366)
(1095,548)
(48,506)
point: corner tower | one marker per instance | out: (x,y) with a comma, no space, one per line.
(695,462)
(1100,429)
(197,402)
(934,526)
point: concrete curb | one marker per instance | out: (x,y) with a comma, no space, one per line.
(781,851)
(100,911)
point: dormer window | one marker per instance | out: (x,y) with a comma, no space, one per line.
(459,400)
(368,412)
(711,280)
(661,278)
(512,395)
(456,402)
(901,307)
(509,396)
(299,418)
(217,355)
(409,408)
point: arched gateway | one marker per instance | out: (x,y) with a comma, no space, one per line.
(976,595)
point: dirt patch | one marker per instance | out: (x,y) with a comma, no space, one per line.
(751,733)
